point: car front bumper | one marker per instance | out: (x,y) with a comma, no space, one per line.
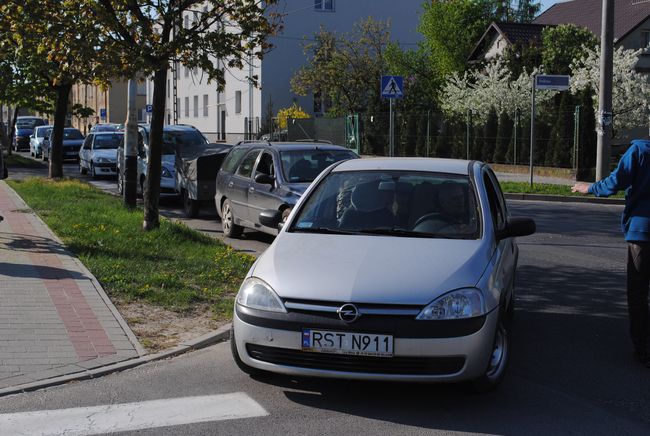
(105,169)
(415,359)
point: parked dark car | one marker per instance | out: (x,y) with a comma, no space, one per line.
(72,140)
(260,176)
(24,128)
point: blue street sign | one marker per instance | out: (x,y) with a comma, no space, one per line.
(392,87)
(556,82)
(102,113)
(149,108)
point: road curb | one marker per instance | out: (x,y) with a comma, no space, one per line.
(220,335)
(564,198)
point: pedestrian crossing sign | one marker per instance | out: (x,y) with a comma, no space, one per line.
(392,87)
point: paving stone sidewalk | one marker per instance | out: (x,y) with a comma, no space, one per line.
(55,318)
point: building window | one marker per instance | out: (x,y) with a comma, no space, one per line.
(187,71)
(196,106)
(237,102)
(187,106)
(645,39)
(324,5)
(205,105)
(177,109)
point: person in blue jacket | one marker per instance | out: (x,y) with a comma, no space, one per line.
(633,176)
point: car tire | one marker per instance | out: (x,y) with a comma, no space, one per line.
(82,170)
(190,205)
(93,174)
(498,359)
(235,355)
(230,229)
(45,158)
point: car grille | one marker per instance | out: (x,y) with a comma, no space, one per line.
(349,363)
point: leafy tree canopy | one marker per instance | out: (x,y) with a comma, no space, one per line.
(345,68)
(562,45)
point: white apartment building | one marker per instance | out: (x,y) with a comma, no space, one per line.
(228,116)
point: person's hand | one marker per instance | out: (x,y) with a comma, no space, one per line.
(581,187)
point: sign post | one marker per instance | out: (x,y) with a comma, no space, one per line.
(543,81)
(392,87)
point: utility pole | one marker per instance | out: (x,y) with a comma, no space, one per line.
(605,116)
(129,175)
(532,128)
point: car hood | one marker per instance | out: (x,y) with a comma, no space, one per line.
(168,159)
(73,142)
(110,153)
(370,269)
(297,188)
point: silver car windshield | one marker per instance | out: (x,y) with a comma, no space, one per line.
(392,203)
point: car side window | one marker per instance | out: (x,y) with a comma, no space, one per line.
(246,167)
(496,207)
(231,160)
(265,165)
(87,142)
(499,192)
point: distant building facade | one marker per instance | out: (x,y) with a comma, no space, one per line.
(230,115)
(109,104)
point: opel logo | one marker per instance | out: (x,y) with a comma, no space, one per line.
(348,313)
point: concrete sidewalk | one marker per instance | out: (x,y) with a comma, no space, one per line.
(55,318)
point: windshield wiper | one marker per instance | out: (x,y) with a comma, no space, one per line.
(408,233)
(326,230)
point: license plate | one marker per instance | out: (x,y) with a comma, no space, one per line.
(361,344)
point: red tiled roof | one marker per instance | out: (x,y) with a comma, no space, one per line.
(628,14)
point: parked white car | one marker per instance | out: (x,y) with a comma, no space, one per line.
(36,140)
(387,269)
(98,155)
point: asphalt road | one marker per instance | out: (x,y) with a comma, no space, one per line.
(571,370)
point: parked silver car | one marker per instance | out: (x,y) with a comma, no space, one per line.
(387,269)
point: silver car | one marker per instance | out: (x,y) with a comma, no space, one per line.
(387,269)
(36,140)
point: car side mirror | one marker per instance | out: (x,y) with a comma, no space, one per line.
(517,227)
(271,218)
(266,179)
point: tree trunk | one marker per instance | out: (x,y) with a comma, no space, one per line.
(152,185)
(12,129)
(56,137)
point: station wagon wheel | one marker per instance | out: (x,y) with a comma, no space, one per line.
(498,360)
(230,229)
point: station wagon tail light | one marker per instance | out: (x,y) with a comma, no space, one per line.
(256,294)
(458,304)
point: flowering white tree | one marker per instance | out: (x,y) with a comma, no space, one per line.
(630,90)
(481,91)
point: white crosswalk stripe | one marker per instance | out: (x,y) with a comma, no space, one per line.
(131,416)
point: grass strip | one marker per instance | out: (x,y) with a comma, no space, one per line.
(543,188)
(174,266)
(16,160)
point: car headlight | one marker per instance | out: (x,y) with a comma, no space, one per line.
(104,160)
(166,173)
(458,304)
(256,294)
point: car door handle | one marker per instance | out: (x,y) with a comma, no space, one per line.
(230,185)
(251,189)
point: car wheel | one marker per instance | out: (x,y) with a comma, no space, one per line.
(498,360)
(230,229)
(93,174)
(235,355)
(82,170)
(44,157)
(190,205)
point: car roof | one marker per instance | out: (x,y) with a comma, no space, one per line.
(288,146)
(108,132)
(450,166)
